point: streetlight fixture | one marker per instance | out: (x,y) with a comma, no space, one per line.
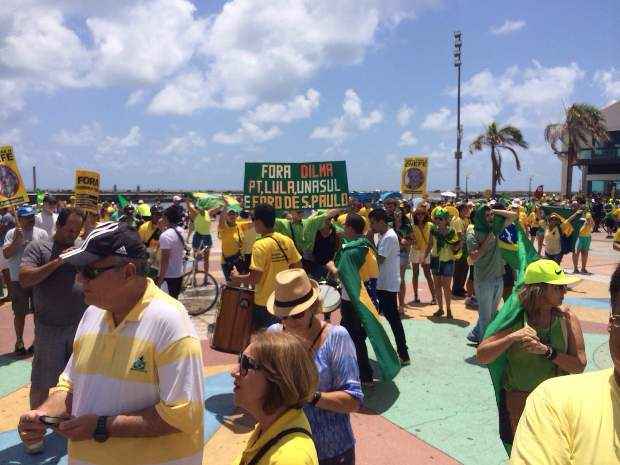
(458,155)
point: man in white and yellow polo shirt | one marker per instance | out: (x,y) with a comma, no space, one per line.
(132,391)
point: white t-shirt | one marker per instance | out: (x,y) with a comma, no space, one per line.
(389,271)
(170,240)
(46,221)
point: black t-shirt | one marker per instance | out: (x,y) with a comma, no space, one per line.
(325,247)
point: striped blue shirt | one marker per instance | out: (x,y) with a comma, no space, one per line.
(336,363)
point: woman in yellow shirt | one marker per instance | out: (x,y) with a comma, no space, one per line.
(583,244)
(421,233)
(275,378)
(201,224)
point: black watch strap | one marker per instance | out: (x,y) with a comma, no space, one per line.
(101,430)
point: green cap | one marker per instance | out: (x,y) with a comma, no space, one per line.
(547,272)
(441,213)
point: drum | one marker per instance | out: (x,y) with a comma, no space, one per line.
(233,325)
(330,297)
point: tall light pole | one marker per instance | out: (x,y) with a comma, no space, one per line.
(458,43)
(530,190)
(466,186)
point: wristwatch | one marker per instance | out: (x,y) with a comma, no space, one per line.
(101,431)
(551,353)
(315,398)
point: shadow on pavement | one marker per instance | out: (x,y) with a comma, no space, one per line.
(445,321)
(380,396)
(474,361)
(222,406)
(12,357)
(55,450)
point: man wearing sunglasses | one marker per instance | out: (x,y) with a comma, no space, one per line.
(135,375)
(58,302)
(574,419)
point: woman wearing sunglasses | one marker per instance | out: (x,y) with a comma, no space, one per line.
(296,302)
(541,342)
(274,379)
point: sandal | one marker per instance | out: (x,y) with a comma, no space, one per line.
(449,316)
(438,313)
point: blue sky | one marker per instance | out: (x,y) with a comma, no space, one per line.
(175,94)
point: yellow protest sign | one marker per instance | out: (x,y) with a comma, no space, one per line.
(87,190)
(487,194)
(413,179)
(12,188)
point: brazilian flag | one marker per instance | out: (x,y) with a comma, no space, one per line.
(508,315)
(349,260)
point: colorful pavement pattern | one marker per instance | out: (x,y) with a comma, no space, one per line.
(440,410)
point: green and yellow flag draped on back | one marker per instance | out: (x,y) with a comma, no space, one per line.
(349,260)
(508,315)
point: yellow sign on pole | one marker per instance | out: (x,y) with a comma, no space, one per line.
(87,190)
(12,188)
(413,178)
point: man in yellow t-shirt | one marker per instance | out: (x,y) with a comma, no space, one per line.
(573,419)
(272,253)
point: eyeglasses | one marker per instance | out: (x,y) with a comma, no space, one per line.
(297,316)
(614,321)
(246,363)
(90,273)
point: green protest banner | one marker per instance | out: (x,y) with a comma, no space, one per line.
(296,186)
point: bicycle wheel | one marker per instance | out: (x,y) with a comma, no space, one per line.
(202,297)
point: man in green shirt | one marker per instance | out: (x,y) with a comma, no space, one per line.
(484,251)
(303,230)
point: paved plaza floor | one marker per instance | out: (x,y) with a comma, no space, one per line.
(439,410)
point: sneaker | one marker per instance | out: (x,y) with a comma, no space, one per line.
(472,339)
(471,303)
(405,362)
(19,348)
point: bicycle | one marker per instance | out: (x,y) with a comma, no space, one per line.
(199,292)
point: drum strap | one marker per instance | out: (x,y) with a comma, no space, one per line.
(280,247)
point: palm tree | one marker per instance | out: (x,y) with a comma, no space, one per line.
(498,140)
(584,124)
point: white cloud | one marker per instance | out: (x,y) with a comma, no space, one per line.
(247,133)
(352,119)
(145,41)
(438,120)
(478,114)
(185,94)
(264,50)
(87,135)
(12,97)
(609,82)
(135,98)
(407,139)
(300,107)
(183,144)
(403,117)
(119,145)
(508,27)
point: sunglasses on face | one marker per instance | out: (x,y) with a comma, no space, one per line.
(297,316)
(90,273)
(246,363)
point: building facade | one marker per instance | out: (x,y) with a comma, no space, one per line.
(600,166)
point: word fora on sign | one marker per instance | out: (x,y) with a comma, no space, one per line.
(88,181)
(306,171)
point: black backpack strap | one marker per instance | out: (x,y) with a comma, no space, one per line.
(280,247)
(273,441)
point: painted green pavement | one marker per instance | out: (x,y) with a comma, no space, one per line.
(446,399)
(13,374)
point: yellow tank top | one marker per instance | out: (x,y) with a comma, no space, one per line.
(202,223)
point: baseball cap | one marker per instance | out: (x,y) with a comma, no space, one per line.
(547,272)
(107,239)
(25,210)
(176,198)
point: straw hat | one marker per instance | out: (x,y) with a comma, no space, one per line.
(294,293)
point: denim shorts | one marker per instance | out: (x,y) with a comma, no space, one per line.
(445,269)
(199,241)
